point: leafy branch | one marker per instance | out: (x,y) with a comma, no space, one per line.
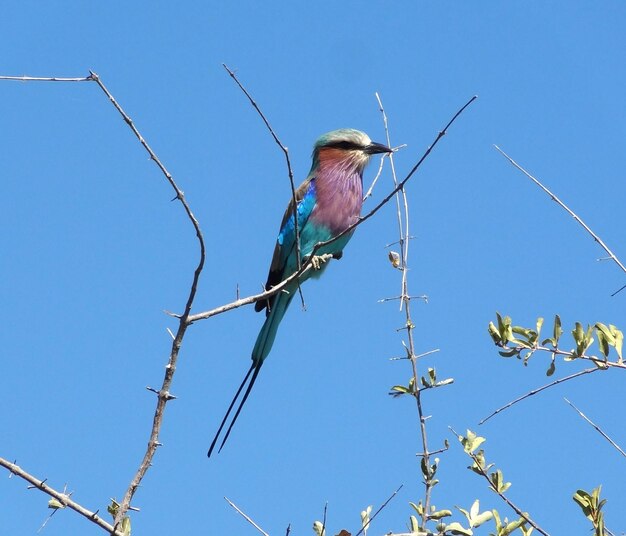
(523,342)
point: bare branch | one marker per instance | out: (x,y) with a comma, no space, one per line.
(538,390)
(164,392)
(568,210)
(259,297)
(248,519)
(597,428)
(63,498)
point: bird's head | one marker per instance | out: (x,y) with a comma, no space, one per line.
(346,149)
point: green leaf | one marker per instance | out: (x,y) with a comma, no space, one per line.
(514,525)
(494,333)
(539,325)
(439,514)
(319,529)
(457,528)
(557,331)
(365,519)
(619,340)
(471,441)
(478,520)
(441,383)
(585,502)
(55,504)
(419,509)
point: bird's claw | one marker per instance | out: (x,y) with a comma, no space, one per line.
(316,262)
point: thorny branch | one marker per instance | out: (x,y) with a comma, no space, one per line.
(403,230)
(63,498)
(163,395)
(164,392)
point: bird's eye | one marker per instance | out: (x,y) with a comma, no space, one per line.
(344,145)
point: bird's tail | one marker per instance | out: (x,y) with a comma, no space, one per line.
(265,339)
(261,350)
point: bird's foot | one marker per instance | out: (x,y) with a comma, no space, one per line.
(317,261)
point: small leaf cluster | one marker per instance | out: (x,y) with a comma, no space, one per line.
(429,381)
(471,443)
(523,342)
(591,506)
(125,525)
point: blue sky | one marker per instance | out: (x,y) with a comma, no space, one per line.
(94,251)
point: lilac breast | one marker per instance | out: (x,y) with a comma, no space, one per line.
(339,198)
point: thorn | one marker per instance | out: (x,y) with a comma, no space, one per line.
(169,313)
(152,389)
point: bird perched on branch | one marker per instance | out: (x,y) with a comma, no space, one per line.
(328,202)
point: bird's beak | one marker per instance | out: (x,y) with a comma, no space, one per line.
(375,148)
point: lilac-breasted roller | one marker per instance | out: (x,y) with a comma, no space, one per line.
(328,202)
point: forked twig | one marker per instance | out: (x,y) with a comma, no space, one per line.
(569,211)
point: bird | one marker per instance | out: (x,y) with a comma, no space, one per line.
(328,202)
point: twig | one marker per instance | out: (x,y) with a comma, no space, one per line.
(538,390)
(597,428)
(569,211)
(63,498)
(285,151)
(164,393)
(324,519)
(46,79)
(379,510)
(307,266)
(246,517)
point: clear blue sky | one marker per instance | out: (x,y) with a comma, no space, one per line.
(94,251)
